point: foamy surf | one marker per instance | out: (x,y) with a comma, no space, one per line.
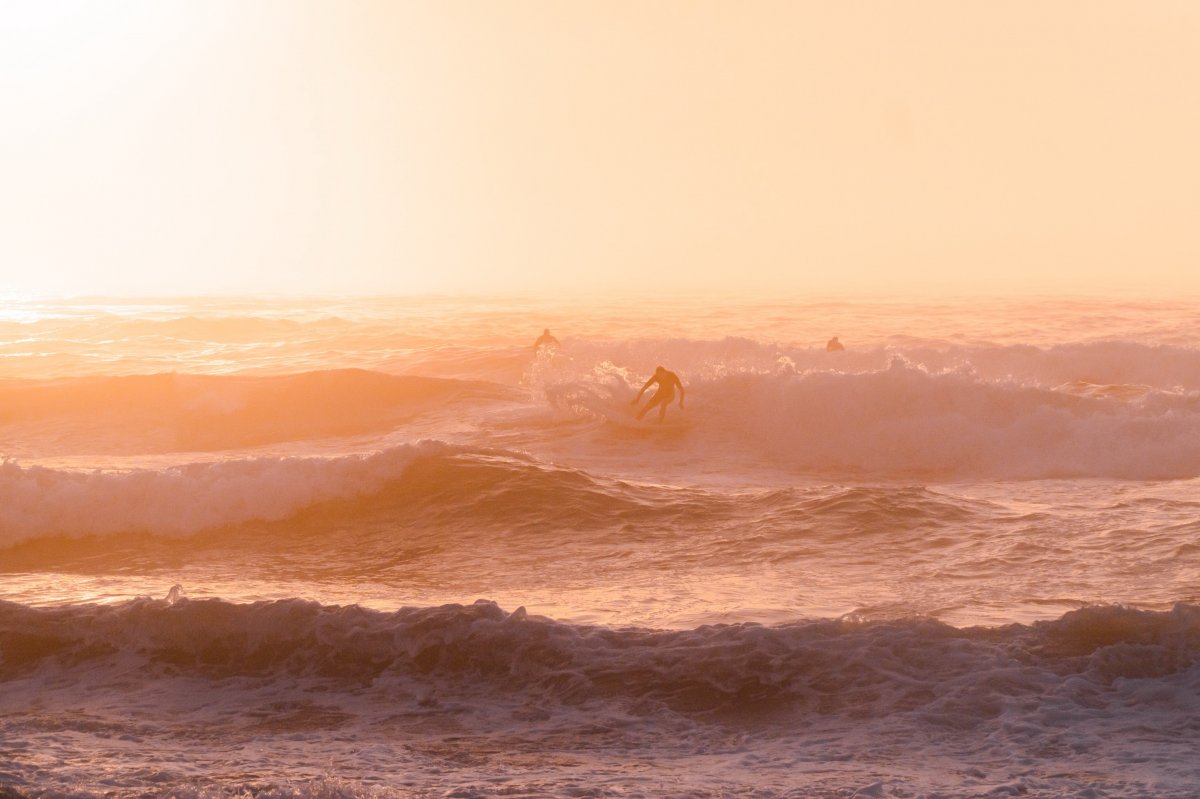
(456,691)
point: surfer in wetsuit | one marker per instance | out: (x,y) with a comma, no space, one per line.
(667,383)
(545,340)
(834,345)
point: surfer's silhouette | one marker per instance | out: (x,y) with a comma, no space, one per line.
(545,340)
(667,383)
(834,345)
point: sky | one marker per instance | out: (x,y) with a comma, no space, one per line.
(247,146)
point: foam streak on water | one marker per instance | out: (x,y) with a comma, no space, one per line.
(413,558)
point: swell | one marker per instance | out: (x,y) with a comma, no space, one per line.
(949,676)
(178,412)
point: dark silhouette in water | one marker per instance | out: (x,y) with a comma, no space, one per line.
(545,340)
(834,345)
(667,382)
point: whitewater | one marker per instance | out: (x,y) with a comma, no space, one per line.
(381,547)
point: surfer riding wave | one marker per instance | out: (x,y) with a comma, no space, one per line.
(667,383)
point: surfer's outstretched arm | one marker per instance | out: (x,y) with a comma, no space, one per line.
(649,383)
(679,383)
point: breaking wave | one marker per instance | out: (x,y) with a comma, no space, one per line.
(38,501)
(949,677)
(907,421)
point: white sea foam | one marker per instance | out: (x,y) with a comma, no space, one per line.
(38,501)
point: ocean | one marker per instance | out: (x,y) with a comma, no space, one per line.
(381,547)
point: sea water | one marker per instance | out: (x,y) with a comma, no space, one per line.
(382,547)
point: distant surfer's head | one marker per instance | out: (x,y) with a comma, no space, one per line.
(659,370)
(545,331)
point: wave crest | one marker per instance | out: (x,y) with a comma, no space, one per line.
(37,501)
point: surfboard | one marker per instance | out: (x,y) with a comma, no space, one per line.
(626,418)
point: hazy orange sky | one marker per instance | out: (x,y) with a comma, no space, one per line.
(167,147)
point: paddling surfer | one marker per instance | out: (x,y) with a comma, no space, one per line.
(545,340)
(667,383)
